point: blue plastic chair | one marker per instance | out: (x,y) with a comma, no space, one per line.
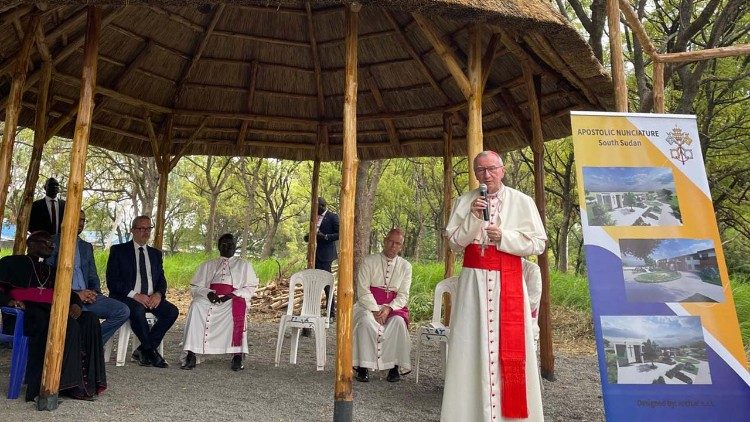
(20,353)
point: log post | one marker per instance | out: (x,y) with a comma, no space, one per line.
(474,135)
(13,108)
(448,254)
(312,241)
(32,174)
(342,410)
(161,207)
(615,47)
(658,85)
(59,315)
(533,92)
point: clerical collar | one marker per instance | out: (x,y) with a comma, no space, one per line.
(389,260)
(496,194)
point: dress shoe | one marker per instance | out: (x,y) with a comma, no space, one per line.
(393,375)
(306,332)
(143,357)
(362,374)
(157,360)
(189,361)
(136,356)
(237,363)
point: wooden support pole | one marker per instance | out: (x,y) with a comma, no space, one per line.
(448,255)
(474,135)
(312,241)
(635,25)
(161,206)
(59,315)
(448,56)
(708,54)
(658,86)
(616,57)
(165,165)
(13,109)
(32,174)
(533,92)
(342,408)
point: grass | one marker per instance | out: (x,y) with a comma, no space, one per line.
(658,277)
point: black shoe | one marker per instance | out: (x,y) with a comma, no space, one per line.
(189,361)
(362,374)
(306,332)
(393,375)
(142,356)
(237,363)
(157,360)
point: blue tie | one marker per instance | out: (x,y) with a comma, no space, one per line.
(142,268)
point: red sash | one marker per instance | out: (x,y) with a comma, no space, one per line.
(239,306)
(385,297)
(512,334)
(32,294)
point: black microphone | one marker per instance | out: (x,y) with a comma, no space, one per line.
(483,194)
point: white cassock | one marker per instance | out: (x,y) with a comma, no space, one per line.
(209,326)
(376,346)
(532,276)
(472,379)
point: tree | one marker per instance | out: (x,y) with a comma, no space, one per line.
(639,248)
(651,351)
(629,200)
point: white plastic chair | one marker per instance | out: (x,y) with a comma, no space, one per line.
(313,282)
(123,339)
(435,330)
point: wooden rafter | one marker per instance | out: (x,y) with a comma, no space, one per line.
(248,105)
(515,116)
(197,54)
(316,60)
(183,147)
(488,58)
(389,125)
(447,55)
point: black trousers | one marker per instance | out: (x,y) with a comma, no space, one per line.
(150,337)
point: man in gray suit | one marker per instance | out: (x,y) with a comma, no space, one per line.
(87,285)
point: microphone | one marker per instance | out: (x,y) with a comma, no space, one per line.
(483,194)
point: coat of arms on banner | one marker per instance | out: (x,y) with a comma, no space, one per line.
(679,138)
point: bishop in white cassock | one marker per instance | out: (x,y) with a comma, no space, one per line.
(491,374)
(216,322)
(381,337)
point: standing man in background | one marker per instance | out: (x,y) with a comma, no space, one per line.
(327,235)
(47,213)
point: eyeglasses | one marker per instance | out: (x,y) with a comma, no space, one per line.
(480,170)
(146,229)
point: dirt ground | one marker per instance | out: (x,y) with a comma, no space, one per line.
(263,392)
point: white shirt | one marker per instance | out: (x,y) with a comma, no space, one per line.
(137,287)
(48,201)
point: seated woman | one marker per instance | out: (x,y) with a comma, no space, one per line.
(26,282)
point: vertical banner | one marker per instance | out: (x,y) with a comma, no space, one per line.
(666,327)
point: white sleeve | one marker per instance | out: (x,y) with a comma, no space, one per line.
(364,295)
(525,235)
(198,283)
(402,296)
(463,226)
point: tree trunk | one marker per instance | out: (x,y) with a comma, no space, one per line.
(368,177)
(268,242)
(208,242)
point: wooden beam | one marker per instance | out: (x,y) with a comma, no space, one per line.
(107,92)
(181,151)
(32,174)
(446,54)
(390,127)
(708,54)
(514,115)
(658,93)
(449,256)
(533,90)
(261,39)
(13,107)
(42,46)
(342,410)
(248,105)
(474,135)
(248,116)
(489,57)
(631,18)
(197,54)
(73,22)
(59,314)
(316,62)
(616,58)
(312,238)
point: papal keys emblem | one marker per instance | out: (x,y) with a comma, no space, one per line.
(680,140)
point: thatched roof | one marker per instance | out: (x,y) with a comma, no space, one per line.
(247,73)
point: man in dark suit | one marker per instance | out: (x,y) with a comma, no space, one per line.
(327,235)
(47,213)
(135,276)
(87,285)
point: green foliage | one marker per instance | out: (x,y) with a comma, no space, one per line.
(598,215)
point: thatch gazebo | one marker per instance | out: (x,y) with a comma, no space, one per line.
(300,80)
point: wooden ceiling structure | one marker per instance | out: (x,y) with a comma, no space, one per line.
(281,79)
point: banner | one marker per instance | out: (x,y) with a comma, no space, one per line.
(666,327)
